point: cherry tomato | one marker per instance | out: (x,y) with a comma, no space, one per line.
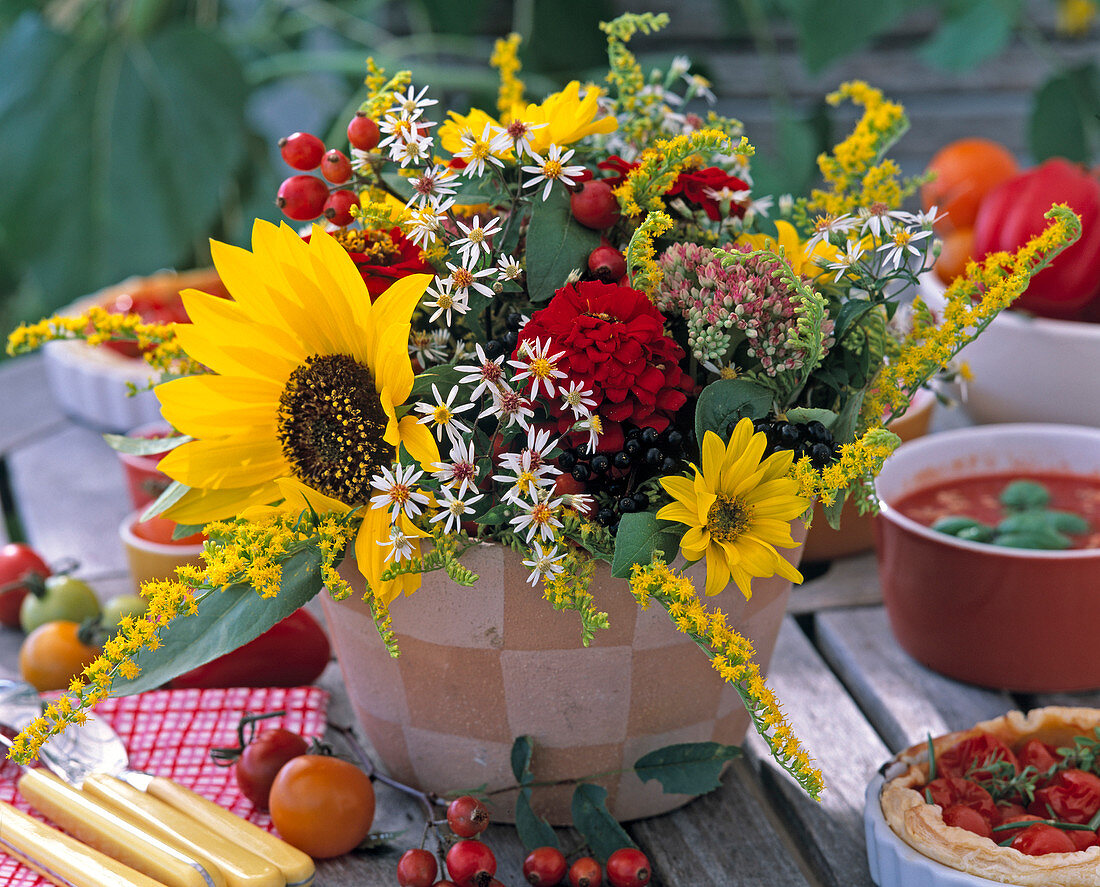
(261,761)
(64,597)
(53,654)
(122,605)
(948,791)
(965,171)
(1040,839)
(322,805)
(961,816)
(1038,754)
(20,568)
(965,757)
(1023,819)
(1073,795)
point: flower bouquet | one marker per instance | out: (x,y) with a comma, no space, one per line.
(570,328)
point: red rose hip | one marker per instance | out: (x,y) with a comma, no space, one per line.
(607,264)
(628,867)
(417,868)
(302,198)
(336,167)
(363,132)
(544,867)
(595,206)
(471,864)
(338,207)
(467,816)
(302,150)
(585,872)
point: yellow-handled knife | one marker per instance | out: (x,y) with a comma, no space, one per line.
(297,867)
(60,859)
(240,867)
(103,829)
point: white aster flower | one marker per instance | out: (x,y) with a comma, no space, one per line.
(516,135)
(879,219)
(461,470)
(828,225)
(577,398)
(593,424)
(509,408)
(427,221)
(522,477)
(535,456)
(925,219)
(543,564)
(552,169)
(412,104)
(400,545)
(698,85)
(476,239)
(425,348)
(852,253)
(398,491)
(903,241)
(445,301)
(509,268)
(535,364)
(445,416)
(463,278)
(454,509)
(488,374)
(477,151)
(431,184)
(539,518)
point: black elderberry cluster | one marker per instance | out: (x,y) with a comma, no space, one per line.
(613,478)
(506,344)
(812,440)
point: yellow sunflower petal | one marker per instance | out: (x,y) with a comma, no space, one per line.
(395,305)
(418,440)
(215,405)
(718,570)
(679,512)
(714,452)
(203,506)
(221,464)
(694,543)
(680,488)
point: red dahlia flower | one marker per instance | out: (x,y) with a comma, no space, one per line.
(382,256)
(693,187)
(614,342)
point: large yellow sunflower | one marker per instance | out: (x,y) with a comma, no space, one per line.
(738,510)
(307,378)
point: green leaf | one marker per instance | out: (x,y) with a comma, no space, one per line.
(444,376)
(972,32)
(1068,522)
(556,244)
(639,536)
(534,831)
(953,524)
(498,514)
(521,759)
(844,429)
(805,415)
(144,446)
(723,402)
(225,621)
(829,30)
(182,531)
(690,768)
(595,823)
(141,138)
(1023,495)
(833,510)
(1044,541)
(1063,119)
(171,495)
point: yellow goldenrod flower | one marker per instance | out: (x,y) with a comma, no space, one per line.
(738,509)
(506,60)
(309,376)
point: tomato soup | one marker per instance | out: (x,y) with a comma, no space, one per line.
(979,497)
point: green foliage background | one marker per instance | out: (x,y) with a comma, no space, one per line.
(134,130)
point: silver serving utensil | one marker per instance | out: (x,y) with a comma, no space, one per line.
(84,751)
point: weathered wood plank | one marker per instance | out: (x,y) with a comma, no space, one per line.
(688,846)
(71,497)
(847,750)
(848,582)
(27,408)
(903,700)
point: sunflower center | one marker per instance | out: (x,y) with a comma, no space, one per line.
(331,424)
(727,519)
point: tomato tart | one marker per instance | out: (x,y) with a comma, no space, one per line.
(1014,800)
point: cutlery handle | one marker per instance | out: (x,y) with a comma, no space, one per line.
(100,827)
(240,867)
(60,859)
(296,866)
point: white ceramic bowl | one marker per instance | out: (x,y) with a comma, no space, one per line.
(894,863)
(1029,369)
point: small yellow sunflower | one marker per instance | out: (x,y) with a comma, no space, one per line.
(805,263)
(738,510)
(568,117)
(308,376)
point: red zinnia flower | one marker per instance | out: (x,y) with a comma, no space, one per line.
(694,185)
(614,342)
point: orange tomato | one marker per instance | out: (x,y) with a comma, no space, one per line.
(53,654)
(322,805)
(966,170)
(160,530)
(957,250)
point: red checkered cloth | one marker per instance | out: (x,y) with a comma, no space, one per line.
(170,733)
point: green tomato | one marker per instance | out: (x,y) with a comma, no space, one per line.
(122,605)
(65,597)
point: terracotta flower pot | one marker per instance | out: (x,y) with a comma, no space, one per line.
(480,666)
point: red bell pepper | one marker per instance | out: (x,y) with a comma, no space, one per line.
(291,653)
(1013,213)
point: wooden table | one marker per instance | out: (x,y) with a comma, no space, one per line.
(852,695)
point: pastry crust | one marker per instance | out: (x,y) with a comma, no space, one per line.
(921,825)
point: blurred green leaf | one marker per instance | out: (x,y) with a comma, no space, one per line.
(593,820)
(128,146)
(829,30)
(971,32)
(792,165)
(1063,119)
(533,830)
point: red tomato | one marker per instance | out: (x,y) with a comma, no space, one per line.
(961,816)
(963,758)
(1023,819)
(291,653)
(1009,811)
(1013,213)
(1073,795)
(964,172)
(322,805)
(1039,840)
(261,761)
(948,791)
(1082,840)
(1038,754)
(20,567)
